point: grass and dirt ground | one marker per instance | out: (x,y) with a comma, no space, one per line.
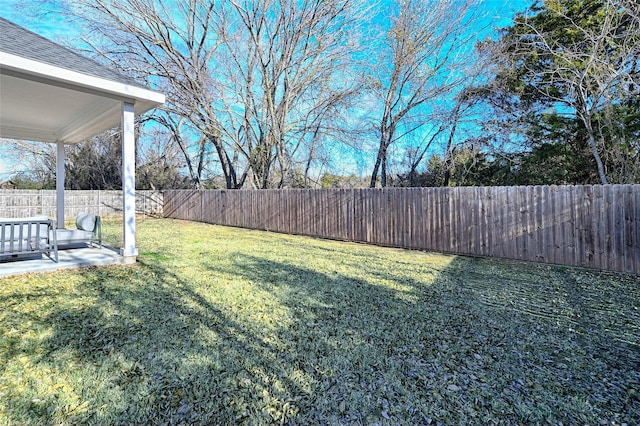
(219,325)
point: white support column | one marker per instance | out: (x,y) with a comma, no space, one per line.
(60,159)
(129,249)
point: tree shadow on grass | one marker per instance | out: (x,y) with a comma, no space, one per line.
(479,341)
(470,342)
(149,349)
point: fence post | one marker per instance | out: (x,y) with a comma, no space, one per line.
(99,203)
(144,204)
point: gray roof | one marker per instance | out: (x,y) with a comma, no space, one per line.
(19,41)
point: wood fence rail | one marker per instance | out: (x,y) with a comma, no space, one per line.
(587,226)
(17,203)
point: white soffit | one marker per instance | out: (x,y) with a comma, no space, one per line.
(42,102)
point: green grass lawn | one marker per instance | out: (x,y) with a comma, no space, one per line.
(218,325)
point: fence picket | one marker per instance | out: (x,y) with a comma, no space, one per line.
(590,226)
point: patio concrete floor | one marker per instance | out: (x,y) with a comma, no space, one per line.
(67,259)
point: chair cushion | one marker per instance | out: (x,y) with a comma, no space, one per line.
(86,222)
(72,235)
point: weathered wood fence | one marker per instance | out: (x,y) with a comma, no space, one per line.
(18,203)
(588,226)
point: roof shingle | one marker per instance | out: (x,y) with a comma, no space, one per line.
(19,41)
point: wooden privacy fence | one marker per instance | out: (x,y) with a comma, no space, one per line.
(17,203)
(588,226)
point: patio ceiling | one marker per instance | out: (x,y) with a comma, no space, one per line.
(42,102)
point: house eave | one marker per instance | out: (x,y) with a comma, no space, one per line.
(33,92)
(29,68)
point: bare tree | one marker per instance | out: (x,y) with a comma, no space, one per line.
(193,149)
(171,46)
(423,59)
(260,82)
(35,161)
(287,81)
(93,164)
(160,164)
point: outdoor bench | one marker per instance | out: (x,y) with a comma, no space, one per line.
(27,237)
(88,230)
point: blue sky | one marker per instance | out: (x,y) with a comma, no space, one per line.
(25,13)
(53,24)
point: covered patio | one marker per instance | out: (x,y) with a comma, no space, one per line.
(51,94)
(72,258)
